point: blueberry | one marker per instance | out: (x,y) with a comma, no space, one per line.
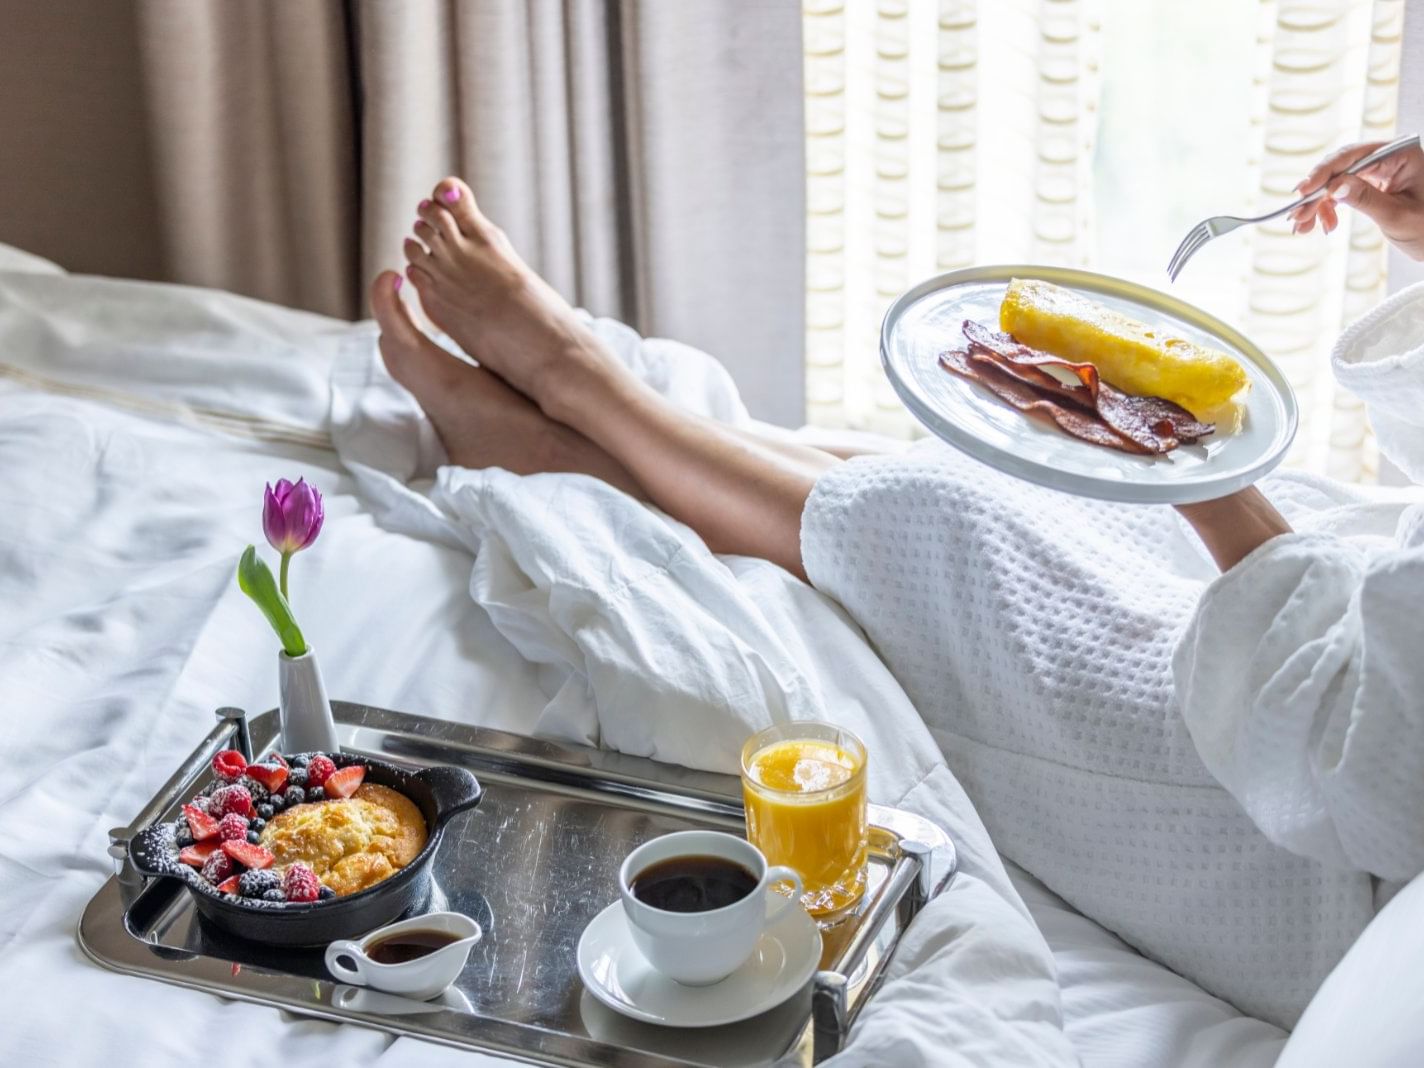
(275,894)
(182,836)
(326,893)
(264,812)
(253,837)
(257,824)
(301,760)
(298,777)
(277,802)
(294,795)
(316,793)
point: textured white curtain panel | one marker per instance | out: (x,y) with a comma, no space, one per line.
(1091,133)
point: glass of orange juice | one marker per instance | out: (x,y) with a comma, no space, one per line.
(804,788)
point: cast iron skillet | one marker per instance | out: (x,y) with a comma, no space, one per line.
(439,793)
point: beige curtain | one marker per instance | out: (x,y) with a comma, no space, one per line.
(1330,76)
(645,157)
(251,128)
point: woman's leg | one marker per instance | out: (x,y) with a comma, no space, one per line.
(742,493)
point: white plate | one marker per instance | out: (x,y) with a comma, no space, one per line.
(617,974)
(928,319)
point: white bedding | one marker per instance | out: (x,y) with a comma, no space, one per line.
(129,488)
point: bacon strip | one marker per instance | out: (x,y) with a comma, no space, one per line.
(1074,419)
(1154,424)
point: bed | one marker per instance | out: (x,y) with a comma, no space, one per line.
(138,424)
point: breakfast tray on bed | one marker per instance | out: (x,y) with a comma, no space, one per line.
(533,864)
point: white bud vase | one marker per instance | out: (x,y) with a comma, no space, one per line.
(307,726)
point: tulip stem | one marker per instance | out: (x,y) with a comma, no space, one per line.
(282,575)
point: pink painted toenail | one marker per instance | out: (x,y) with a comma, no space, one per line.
(424,204)
(452,194)
(398,283)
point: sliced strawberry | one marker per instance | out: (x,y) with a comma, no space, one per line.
(229,885)
(272,777)
(279,760)
(197,855)
(343,783)
(249,855)
(201,824)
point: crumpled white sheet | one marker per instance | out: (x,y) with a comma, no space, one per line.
(121,628)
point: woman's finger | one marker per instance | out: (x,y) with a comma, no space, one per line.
(1334,163)
(1329,218)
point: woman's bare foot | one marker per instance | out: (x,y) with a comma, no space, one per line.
(481,420)
(474,286)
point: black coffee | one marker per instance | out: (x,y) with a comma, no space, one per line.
(692,884)
(409,945)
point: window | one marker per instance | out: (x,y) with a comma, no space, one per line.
(1091,133)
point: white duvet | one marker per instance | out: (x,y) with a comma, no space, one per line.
(138,424)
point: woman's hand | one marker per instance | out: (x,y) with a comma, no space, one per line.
(1391,193)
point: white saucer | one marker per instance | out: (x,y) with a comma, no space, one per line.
(618,975)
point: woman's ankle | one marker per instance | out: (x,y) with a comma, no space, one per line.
(585,385)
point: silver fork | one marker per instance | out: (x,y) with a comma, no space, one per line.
(1208,229)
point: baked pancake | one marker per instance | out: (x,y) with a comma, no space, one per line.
(351,843)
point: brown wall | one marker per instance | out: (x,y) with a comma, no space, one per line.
(76,180)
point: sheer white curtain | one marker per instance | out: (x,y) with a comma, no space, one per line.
(943,133)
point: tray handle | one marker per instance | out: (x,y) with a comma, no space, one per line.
(907,890)
(231,730)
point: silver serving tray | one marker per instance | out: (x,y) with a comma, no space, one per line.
(533,864)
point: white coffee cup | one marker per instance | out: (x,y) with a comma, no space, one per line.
(422,978)
(701,948)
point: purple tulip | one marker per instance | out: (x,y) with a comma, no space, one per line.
(292,516)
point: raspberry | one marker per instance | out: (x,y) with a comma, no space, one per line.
(300,883)
(232,826)
(319,769)
(233,799)
(229,765)
(217,867)
(257,883)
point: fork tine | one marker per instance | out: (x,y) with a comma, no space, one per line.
(1201,238)
(1193,235)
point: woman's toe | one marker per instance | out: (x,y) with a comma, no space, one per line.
(416,254)
(428,235)
(413,359)
(438,220)
(459,201)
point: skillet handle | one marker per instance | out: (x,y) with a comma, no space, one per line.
(455,789)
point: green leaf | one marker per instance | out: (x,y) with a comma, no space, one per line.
(255,579)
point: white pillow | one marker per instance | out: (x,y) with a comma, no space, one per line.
(1368,1012)
(13,259)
